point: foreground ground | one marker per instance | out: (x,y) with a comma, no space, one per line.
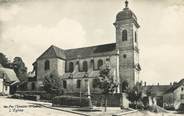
(14,107)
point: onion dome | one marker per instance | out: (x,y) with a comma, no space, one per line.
(126,13)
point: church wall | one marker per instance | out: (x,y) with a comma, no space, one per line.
(60,67)
(56,67)
(72,83)
(72,86)
(95,59)
(127,67)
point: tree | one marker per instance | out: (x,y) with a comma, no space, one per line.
(124,86)
(135,94)
(20,69)
(52,84)
(4,61)
(106,83)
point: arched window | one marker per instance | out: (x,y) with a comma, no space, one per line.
(78,83)
(47,65)
(124,35)
(64,84)
(71,67)
(85,66)
(100,63)
(136,37)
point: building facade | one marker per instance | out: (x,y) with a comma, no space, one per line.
(72,65)
(8,81)
(174,97)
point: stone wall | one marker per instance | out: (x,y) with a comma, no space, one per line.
(128,52)
(94,66)
(57,67)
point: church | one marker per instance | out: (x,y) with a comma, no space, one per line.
(75,66)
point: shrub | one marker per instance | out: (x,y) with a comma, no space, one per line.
(70,101)
(47,96)
(32,97)
(17,96)
(171,107)
(139,106)
(181,108)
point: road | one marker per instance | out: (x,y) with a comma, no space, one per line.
(147,113)
(14,107)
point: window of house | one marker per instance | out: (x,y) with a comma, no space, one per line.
(47,65)
(100,63)
(71,67)
(64,84)
(78,83)
(136,37)
(124,35)
(85,66)
(182,89)
(6,88)
(182,96)
(124,55)
(107,59)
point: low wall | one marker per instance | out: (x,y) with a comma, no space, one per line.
(113,100)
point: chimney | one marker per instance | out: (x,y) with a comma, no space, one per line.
(171,83)
(158,84)
(145,83)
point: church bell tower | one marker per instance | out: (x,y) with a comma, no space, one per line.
(127,46)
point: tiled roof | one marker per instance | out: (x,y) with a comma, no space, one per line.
(175,86)
(9,74)
(155,89)
(99,50)
(158,87)
(53,52)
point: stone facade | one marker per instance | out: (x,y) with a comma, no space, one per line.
(4,89)
(128,49)
(174,98)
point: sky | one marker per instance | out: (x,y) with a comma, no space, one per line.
(29,27)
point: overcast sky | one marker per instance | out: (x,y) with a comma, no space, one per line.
(29,27)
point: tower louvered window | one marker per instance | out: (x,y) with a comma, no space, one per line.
(136,37)
(124,35)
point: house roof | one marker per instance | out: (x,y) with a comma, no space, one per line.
(175,86)
(156,89)
(9,74)
(99,50)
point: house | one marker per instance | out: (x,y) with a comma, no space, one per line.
(8,81)
(77,67)
(154,93)
(174,97)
